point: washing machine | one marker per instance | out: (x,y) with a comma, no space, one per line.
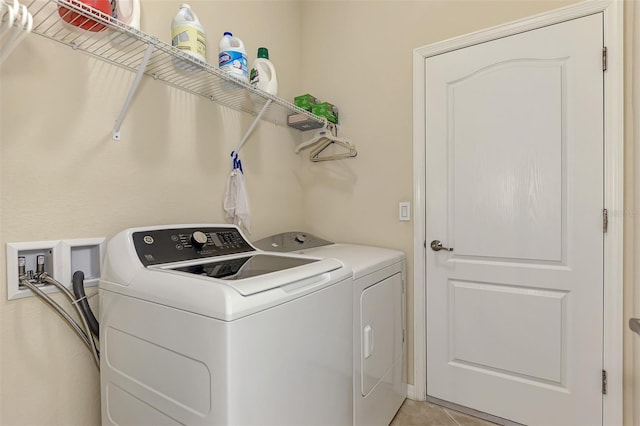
(199,327)
(379,320)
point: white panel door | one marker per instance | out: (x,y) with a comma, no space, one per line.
(514,181)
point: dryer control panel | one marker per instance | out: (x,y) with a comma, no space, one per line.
(290,241)
(158,246)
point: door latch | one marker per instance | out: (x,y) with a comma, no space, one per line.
(436,245)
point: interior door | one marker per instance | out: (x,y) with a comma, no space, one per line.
(514,182)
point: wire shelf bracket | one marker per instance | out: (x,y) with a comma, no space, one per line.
(132,91)
(99,35)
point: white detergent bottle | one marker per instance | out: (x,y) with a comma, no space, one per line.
(232,57)
(189,36)
(128,12)
(263,73)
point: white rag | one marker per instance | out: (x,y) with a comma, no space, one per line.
(236,202)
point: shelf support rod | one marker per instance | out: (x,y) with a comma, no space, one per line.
(253,125)
(132,91)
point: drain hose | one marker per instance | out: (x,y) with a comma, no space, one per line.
(78,290)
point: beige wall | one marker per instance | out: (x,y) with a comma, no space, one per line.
(63,177)
(366,69)
(368,73)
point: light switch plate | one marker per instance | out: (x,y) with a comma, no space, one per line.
(404,211)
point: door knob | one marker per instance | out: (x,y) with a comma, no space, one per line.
(634,325)
(436,245)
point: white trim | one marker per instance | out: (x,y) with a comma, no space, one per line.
(588,7)
(634,10)
(411,392)
(614,202)
(419,231)
(634,209)
(614,175)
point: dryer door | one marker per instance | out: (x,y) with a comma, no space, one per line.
(381,332)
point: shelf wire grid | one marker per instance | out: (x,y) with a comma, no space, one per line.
(99,35)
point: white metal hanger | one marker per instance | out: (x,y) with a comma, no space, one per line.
(10,11)
(24,24)
(323,139)
(321,135)
(351,150)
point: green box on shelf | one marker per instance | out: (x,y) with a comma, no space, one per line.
(305,101)
(325,109)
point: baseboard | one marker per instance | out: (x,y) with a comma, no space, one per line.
(411,394)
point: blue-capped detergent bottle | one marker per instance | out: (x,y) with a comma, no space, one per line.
(232,57)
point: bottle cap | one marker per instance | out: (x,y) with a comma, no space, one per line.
(227,33)
(183,5)
(263,52)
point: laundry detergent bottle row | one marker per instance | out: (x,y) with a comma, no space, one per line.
(263,73)
(232,57)
(188,35)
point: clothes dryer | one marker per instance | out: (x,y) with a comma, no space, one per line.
(379,295)
(199,327)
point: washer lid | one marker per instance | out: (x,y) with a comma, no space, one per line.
(253,274)
(244,267)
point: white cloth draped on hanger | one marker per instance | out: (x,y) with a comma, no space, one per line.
(236,201)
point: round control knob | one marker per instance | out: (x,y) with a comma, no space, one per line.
(301,238)
(199,239)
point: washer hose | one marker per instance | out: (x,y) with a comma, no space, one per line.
(58,309)
(78,290)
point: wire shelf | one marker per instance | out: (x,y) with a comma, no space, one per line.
(97,34)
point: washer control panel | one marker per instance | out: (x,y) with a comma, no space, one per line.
(175,245)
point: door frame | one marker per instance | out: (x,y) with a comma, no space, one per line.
(613,188)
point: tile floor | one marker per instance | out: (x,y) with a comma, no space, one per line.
(422,413)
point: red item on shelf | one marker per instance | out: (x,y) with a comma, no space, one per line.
(90,6)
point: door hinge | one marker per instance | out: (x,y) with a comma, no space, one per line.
(604,59)
(604,382)
(605,220)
